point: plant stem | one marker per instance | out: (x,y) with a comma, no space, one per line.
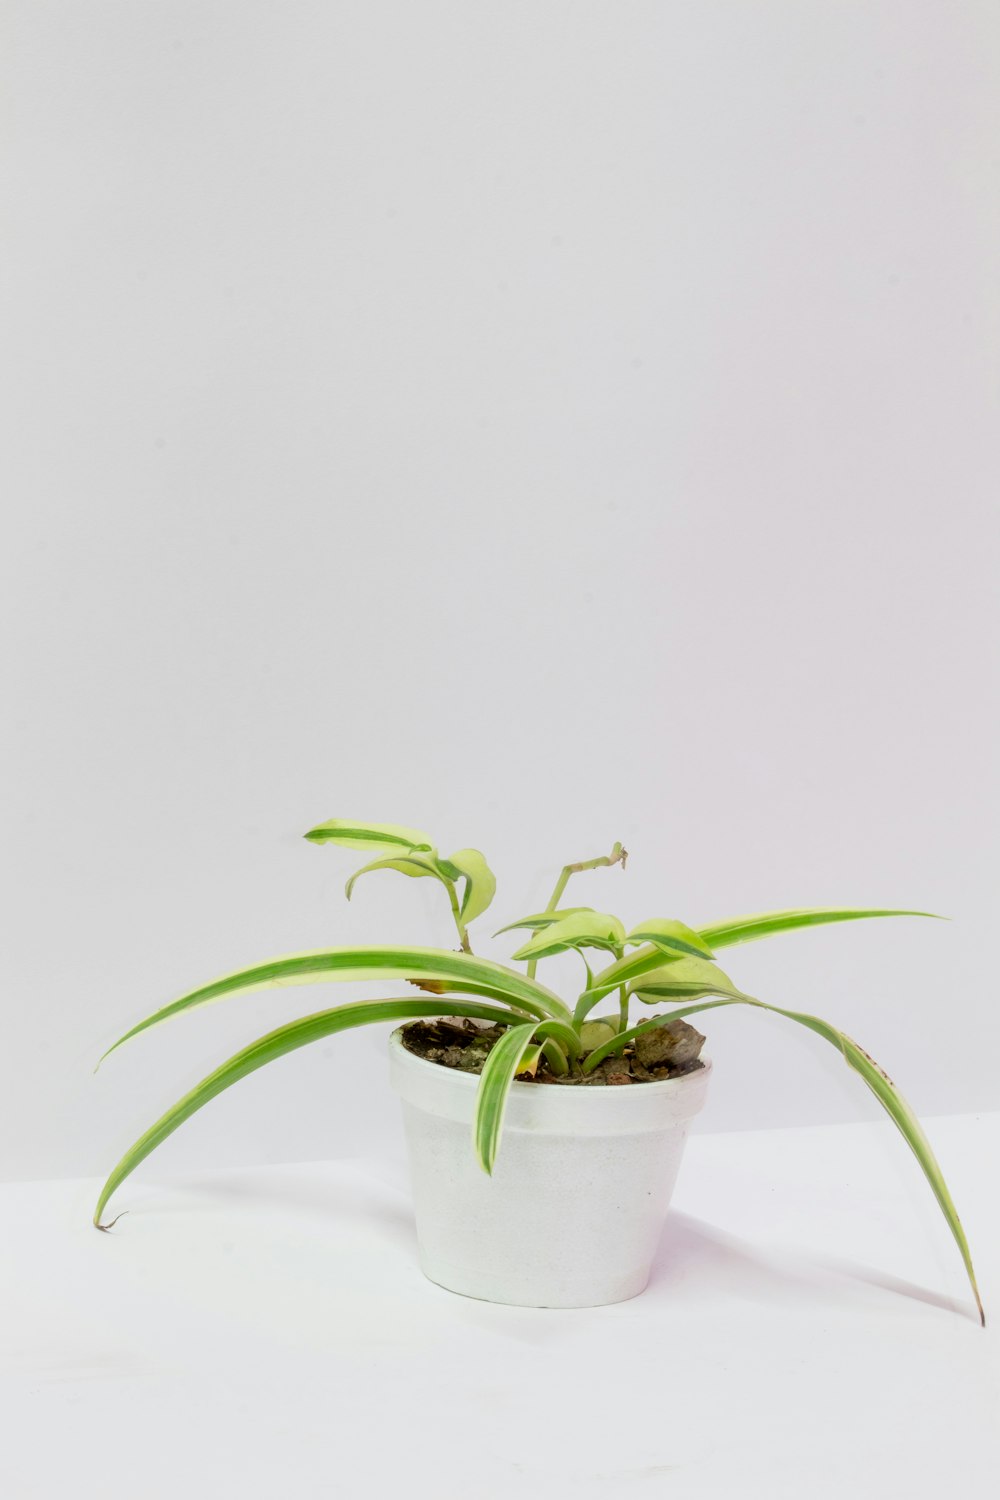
(618,856)
(562,1032)
(456,913)
(555,1056)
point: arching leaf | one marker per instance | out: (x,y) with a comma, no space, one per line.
(581,930)
(374,837)
(499,1071)
(417,863)
(671,936)
(877,1079)
(623,971)
(685,978)
(348,964)
(764,924)
(275,1044)
(541,919)
(480,881)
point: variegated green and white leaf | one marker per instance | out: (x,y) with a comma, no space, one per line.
(581,930)
(376,838)
(631,967)
(349,964)
(670,936)
(764,924)
(415,864)
(685,978)
(499,1071)
(541,919)
(878,1081)
(275,1044)
(480,882)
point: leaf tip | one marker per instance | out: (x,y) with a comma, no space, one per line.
(107,1228)
(113,1048)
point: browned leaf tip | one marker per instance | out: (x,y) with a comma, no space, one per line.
(106,1228)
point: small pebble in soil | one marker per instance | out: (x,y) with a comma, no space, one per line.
(674,1043)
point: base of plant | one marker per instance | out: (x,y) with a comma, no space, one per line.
(667,1051)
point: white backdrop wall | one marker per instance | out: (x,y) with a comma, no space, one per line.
(543,423)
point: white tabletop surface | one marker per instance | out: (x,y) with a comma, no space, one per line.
(266,1333)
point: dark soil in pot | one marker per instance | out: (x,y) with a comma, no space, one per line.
(665,1051)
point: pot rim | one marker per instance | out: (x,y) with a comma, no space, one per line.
(466,1080)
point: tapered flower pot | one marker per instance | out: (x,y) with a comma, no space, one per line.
(573,1212)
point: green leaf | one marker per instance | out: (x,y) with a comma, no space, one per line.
(719,935)
(594,1034)
(902,1116)
(373,837)
(665,933)
(881,1085)
(415,864)
(540,919)
(349,964)
(688,977)
(581,930)
(286,1039)
(623,971)
(763,924)
(480,882)
(498,1074)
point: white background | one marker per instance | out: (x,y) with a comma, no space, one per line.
(541,423)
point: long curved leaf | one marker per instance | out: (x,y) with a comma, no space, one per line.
(721,935)
(348,964)
(480,882)
(539,919)
(498,1074)
(671,936)
(763,924)
(881,1085)
(373,837)
(581,930)
(420,862)
(560,1027)
(275,1044)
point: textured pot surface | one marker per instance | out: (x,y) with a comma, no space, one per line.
(573,1212)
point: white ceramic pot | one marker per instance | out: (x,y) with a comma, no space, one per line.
(573,1212)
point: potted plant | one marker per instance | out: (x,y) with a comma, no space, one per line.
(596,1106)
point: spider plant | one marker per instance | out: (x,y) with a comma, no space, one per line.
(656,961)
